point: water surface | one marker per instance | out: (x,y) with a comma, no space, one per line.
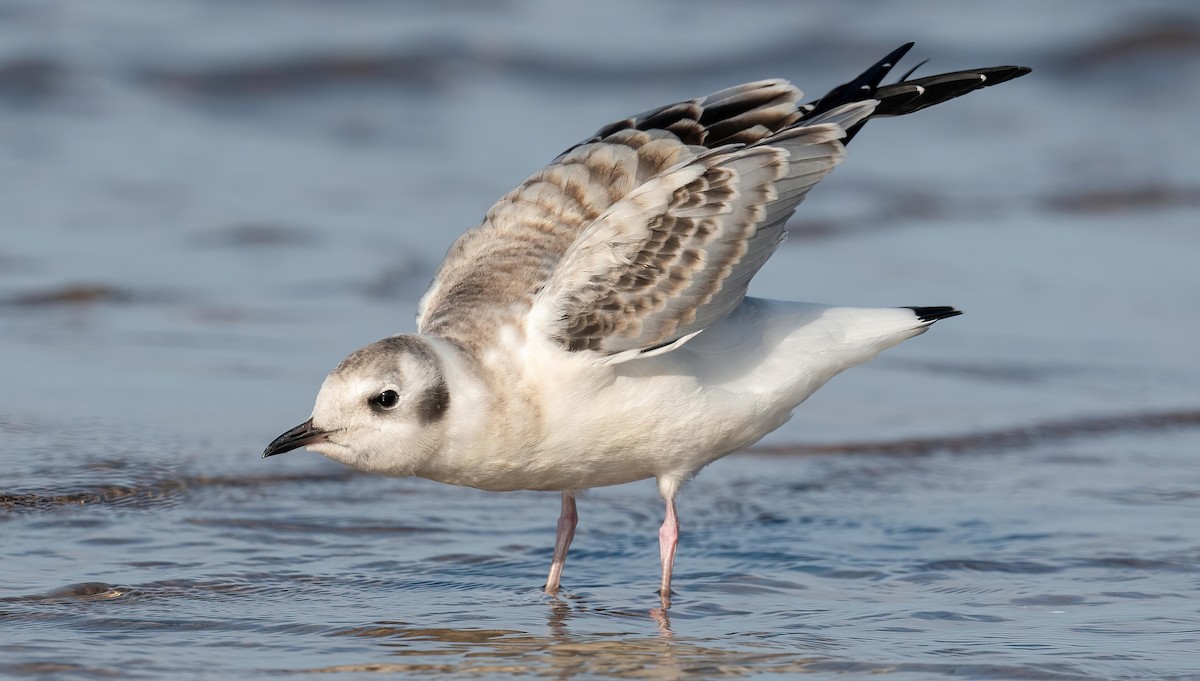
(207,205)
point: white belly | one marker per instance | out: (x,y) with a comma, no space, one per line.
(669,415)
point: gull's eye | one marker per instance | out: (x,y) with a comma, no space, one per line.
(387,399)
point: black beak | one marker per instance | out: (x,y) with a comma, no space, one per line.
(300,436)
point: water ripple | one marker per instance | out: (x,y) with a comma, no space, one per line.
(1007,439)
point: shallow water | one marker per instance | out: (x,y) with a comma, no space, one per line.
(206,205)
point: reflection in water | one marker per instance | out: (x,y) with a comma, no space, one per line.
(487,653)
(560,655)
(662,618)
(560,612)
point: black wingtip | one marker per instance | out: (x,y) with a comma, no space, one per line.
(932,314)
(865,85)
(907,96)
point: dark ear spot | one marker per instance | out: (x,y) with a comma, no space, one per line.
(434,402)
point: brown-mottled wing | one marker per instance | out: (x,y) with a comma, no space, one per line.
(671,171)
(505,261)
(676,254)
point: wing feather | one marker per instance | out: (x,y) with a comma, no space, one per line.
(483,275)
(638,237)
(676,254)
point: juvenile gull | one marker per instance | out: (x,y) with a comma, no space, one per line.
(594,329)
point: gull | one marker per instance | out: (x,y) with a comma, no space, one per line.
(595,329)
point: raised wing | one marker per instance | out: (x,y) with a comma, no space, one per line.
(676,254)
(506,260)
(713,178)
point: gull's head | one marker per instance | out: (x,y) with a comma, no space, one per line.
(381,410)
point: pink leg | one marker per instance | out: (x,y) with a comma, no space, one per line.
(566,532)
(668,538)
